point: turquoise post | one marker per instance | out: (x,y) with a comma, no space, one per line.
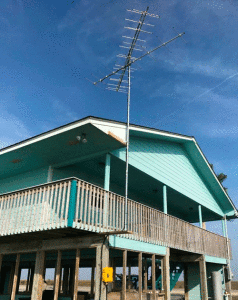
(106,187)
(72,203)
(107,172)
(165,204)
(224,228)
(200,215)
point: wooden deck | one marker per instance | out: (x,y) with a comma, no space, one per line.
(73,203)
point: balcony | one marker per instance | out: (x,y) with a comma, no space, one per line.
(78,205)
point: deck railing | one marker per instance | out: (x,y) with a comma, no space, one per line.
(82,205)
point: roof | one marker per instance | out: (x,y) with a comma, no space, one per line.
(117,131)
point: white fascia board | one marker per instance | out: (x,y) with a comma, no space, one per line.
(161,133)
(213,173)
(116,128)
(45,135)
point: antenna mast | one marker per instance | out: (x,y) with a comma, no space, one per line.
(119,88)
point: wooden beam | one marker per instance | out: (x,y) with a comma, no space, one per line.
(166,275)
(124,275)
(203,278)
(51,245)
(66,280)
(105,263)
(140,274)
(38,276)
(146,276)
(186,258)
(92,279)
(186,290)
(98,276)
(57,275)
(15,278)
(153,277)
(76,275)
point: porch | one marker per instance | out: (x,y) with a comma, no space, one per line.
(73,207)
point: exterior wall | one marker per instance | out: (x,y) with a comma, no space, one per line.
(194,281)
(23,180)
(169,163)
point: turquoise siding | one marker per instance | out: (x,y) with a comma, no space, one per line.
(123,243)
(194,281)
(23,180)
(169,163)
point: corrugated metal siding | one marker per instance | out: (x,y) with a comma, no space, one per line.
(170,164)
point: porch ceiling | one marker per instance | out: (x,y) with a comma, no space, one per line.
(57,149)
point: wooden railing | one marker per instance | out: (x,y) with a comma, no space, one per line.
(82,205)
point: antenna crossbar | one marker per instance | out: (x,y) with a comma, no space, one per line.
(128,37)
(139,58)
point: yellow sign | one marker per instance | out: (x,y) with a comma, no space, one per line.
(107,274)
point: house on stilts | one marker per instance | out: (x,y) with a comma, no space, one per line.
(62,207)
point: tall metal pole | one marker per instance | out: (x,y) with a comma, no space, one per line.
(127,145)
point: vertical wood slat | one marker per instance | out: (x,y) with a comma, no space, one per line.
(57,275)
(69,183)
(140,274)
(153,277)
(82,203)
(77,202)
(55,201)
(93,208)
(15,278)
(97,210)
(124,275)
(76,274)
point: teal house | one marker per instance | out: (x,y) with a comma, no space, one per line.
(62,210)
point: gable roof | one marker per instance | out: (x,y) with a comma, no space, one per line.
(117,131)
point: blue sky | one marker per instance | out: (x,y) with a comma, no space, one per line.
(49,48)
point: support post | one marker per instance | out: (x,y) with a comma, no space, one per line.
(200,215)
(1,258)
(146,276)
(114,275)
(98,276)
(50,174)
(124,275)
(57,275)
(153,277)
(166,275)
(92,279)
(15,278)
(107,172)
(203,278)
(106,187)
(105,263)
(38,276)
(186,291)
(140,274)
(66,280)
(72,203)
(76,275)
(165,203)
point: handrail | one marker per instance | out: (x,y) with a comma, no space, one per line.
(72,202)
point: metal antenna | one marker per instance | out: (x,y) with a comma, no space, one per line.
(127,89)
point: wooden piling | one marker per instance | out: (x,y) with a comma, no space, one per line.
(57,275)
(15,278)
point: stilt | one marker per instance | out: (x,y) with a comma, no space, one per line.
(186,282)
(98,276)
(140,275)
(203,278)
(153,277)
(166,275)
(38,276)
(1,258)
(92,279)
(146,276)
(15,278)
(124,275)
(105,263)
(76,275)
(57,275)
